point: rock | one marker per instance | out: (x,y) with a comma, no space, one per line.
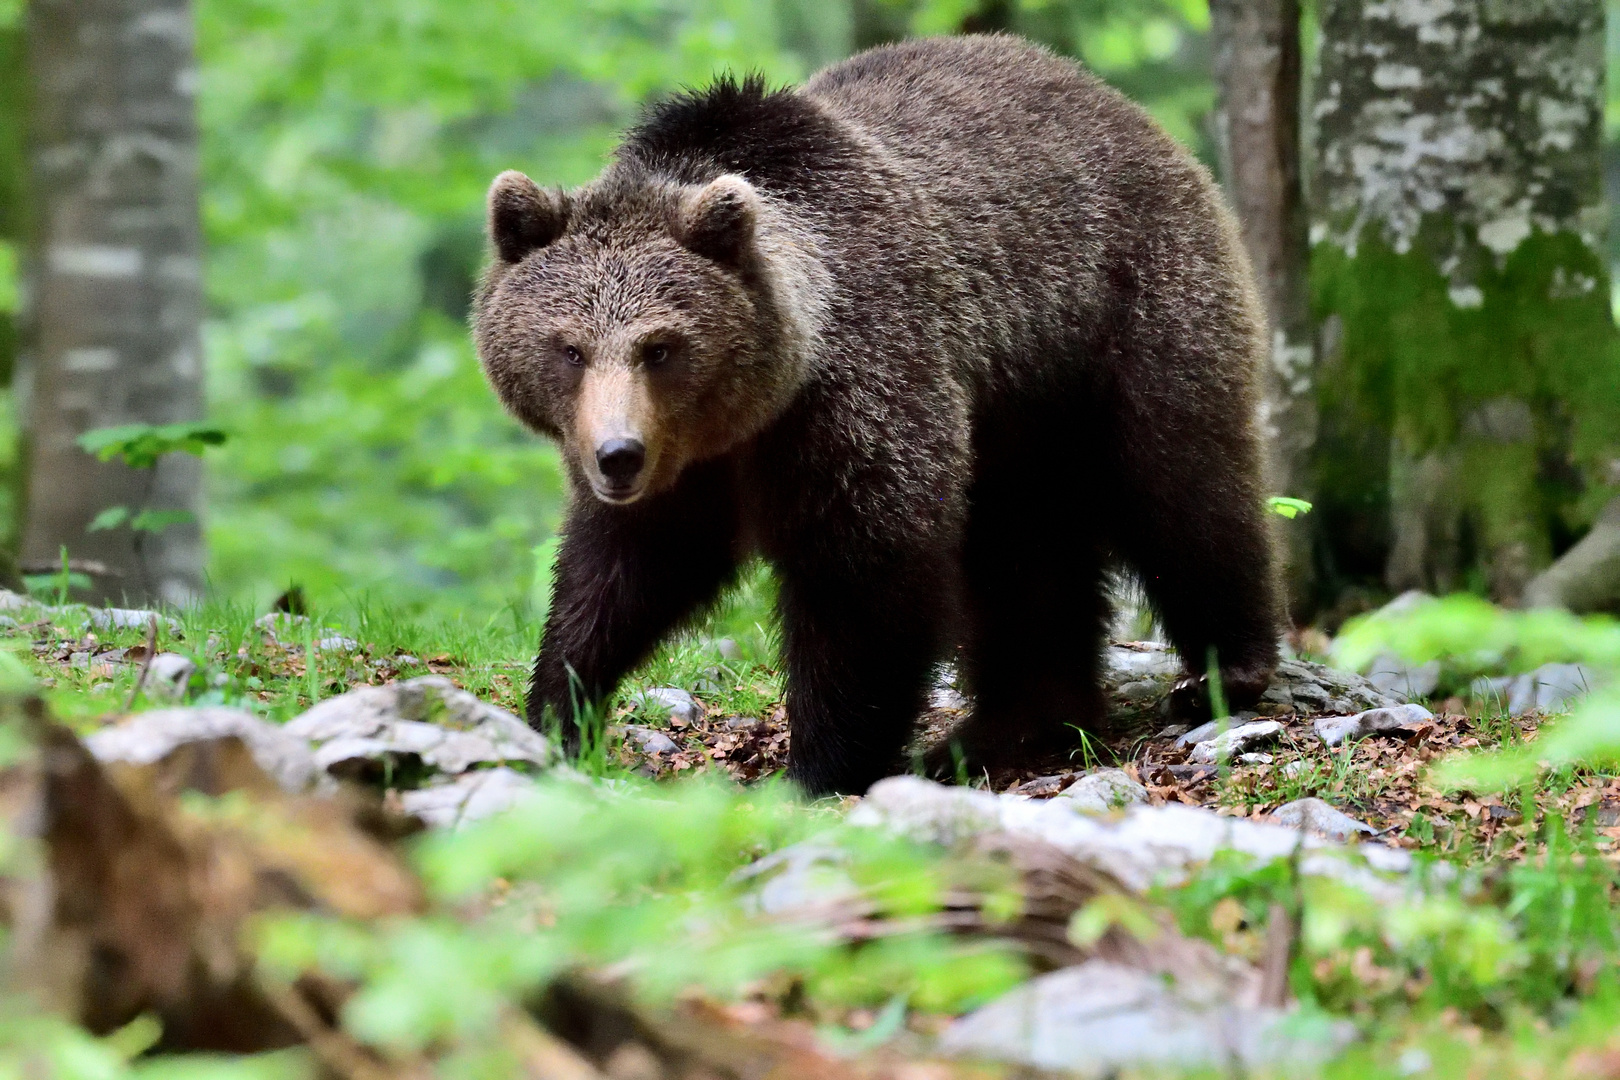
(1549,688)
(1392,675)
(1199,734)
(129,619)
(150,736)
(1254,759)
(946,697)
(650,740)
(1102,792)
(10,601)
(169,675)
(429,717)
(1235,741)
(468,798)
(1041,786)
(1333,730)
(1296,768)
(1099,1019)
(671,700)
(728,650)
(1320,818)
(1138,677)
(799,879)
(1173,731)
(1145,845)
(337,643)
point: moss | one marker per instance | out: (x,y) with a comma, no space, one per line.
(1519,394)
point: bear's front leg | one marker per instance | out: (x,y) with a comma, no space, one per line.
(626,577)
(859,639)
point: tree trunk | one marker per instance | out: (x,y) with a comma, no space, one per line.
(1459,218)
(110,332)
(1257,75)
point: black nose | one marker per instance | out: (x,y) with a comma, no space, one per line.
(620,460)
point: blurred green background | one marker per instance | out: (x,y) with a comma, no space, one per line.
(346,148)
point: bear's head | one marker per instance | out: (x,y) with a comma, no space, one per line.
(643,323)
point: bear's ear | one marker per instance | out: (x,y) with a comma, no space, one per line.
(718,220)
(523,216)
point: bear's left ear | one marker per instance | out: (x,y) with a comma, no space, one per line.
(718,219)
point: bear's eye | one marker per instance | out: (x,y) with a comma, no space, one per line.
(574,357)
(654,354)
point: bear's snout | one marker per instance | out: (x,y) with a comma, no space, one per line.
(620,462)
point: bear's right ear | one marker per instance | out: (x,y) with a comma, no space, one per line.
(522,216)
(719,219)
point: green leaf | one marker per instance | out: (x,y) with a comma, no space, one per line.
(1288,507)
(140,445)
(155,521)
(110,518)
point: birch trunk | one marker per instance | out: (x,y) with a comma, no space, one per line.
(1257,75)
(114,292)
(1459,222)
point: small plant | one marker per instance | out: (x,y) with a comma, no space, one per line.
(59,584)
(140,446)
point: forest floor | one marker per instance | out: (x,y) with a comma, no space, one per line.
(739,726)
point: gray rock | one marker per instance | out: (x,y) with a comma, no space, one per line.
(128,619)
(1550,688)
(470,797)
(1200,733)
(798,880)
(10,601)
(1296,768)
(671,700)
(650,740)
(728,650)
(1320,818)
(1102,791)
(1392,675)
(150,736)
(169,675)
(1173,731)
(1145,845)
(946,697)
(1235,741)
(1254,759)
(1099,1019)
(1334,730)
(448,728)
(337,643)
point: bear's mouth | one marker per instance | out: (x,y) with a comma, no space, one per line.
(618,496)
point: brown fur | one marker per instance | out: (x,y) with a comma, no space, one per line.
(950,331)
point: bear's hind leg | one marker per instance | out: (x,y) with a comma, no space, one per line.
(1037,616)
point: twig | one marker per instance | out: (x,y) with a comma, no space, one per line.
(146,662)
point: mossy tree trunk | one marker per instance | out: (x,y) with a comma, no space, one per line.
(1470,393)
(114,286)
(1257,76)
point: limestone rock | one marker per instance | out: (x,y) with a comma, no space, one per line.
(1143,846)
(1098,1019)
(678,704)
(150,736)
(1235,741)
(1320,818)
(1550,688)
(429,717)
(1103,791)
(468,798)
(1333,730)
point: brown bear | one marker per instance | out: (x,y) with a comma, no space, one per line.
(943,336)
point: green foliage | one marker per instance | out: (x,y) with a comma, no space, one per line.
(140,445)
(1287,507)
